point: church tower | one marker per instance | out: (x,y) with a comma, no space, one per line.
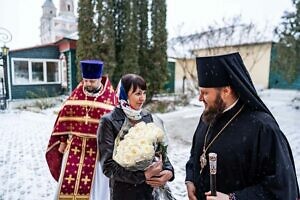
(66,8)
(59,26)
(49,13)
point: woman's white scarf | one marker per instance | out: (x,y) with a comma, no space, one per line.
(125,105)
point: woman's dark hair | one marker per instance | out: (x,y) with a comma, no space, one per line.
(133,80)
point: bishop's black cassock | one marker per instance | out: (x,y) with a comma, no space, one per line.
(255,161)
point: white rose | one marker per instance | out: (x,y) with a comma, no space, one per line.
(147,150)
(137,144)
(160,135)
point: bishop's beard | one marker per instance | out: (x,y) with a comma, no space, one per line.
(210,114)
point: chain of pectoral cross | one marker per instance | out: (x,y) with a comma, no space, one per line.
(203,160)
(89,108)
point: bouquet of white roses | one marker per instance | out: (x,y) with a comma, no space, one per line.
(135,146)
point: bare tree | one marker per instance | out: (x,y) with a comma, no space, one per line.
(231,35)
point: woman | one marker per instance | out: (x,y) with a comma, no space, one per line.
(125,184)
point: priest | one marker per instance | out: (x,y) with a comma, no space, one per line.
(72,154)
(254,161)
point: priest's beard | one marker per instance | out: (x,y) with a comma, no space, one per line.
(213,112)
(92,90)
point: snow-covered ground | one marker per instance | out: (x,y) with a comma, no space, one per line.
(24,136)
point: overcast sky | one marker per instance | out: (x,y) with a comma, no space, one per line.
(22,17)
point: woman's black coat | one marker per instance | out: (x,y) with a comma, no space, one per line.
(124,184)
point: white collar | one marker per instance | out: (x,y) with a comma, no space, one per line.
(231,106)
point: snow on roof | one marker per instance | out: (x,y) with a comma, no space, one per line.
(33,47)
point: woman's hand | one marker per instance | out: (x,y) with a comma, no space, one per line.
(62,147)
(160,179)
(153,170)
(220,196)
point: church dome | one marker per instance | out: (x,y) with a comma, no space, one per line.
(48,3)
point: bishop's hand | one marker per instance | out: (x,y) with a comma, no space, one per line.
(220,196)
(191,189)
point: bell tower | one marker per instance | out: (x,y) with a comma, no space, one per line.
(46,27)
(66,8)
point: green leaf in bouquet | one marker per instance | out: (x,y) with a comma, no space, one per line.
(162,150)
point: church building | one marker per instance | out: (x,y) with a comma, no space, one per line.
(48,69)
(55,27)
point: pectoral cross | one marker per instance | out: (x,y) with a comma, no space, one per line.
(203,161)
(86,118)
